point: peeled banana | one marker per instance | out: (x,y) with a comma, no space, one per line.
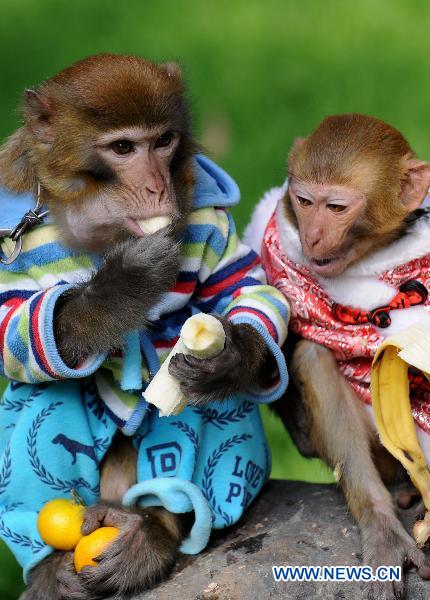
(392,409)
(153,224)
(202,336)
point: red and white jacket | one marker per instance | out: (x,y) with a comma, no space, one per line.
(320,307)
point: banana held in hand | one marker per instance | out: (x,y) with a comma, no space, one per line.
(202,336)
(392,409)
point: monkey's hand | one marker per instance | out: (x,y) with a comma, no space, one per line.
(141,556)
(94,316)
(244,363)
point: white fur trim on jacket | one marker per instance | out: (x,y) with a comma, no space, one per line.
(254,231)
(359,285)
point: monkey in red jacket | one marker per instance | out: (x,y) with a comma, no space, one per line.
(347,240)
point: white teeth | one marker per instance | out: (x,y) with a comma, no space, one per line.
(153,224)
(323,261)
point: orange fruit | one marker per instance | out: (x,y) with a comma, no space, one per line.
(59,523)
(92,545)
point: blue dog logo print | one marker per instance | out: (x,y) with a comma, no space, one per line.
(75,447)
(164,459)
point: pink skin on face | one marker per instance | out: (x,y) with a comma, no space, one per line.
(140,159)
(325,213)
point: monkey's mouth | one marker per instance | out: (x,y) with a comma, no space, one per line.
(327,267)
(321,262)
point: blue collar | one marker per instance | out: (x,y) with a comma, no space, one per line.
(214,187)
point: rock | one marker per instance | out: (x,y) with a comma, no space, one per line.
(290,523)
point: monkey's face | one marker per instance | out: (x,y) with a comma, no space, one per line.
(109,141)
(326,218)
(133,170)
(352,184)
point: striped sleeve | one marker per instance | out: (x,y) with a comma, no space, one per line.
(27,344)
(236,287)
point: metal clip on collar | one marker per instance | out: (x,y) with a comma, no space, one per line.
(29,220)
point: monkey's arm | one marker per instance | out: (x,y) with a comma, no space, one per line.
(65,331)
(95,316)
(28,350)
(255,317)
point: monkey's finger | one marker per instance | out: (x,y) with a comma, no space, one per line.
(217,367)
(383,590)
(206,366)
(69,584)
(204,391)
(114,565)
(93,518)
(123,519)
(424,571)
(182,370)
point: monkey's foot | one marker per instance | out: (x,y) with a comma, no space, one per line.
(139,558)
(389,545)
(44,583)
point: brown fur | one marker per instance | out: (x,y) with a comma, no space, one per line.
(118,470)
(97,94)
(361,152)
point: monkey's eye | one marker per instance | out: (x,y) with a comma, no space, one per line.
(164,140)
(337,208)
(303,201)
(122,147)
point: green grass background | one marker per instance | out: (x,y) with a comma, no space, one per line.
(259,74)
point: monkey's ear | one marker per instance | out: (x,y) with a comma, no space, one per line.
(294,152)
(295,149)
(173,70)
(38,112)
(416,183)
(16,168)
(298,144)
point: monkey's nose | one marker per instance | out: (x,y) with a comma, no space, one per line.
(154,194)
(153,189)
(312,241)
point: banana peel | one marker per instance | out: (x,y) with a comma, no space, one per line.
(392,409)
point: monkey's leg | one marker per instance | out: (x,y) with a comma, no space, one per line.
(341,434)
(294,416)
(118,468)
(43,580)
(145,551)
